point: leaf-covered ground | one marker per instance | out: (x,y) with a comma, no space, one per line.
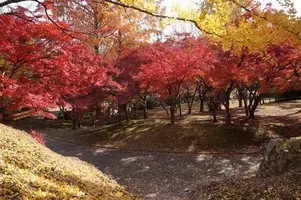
(28,170)
(191,133)
(285,186)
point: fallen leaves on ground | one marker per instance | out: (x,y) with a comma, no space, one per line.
(29,170)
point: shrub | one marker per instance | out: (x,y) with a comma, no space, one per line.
(289,95)
(151,104)
(38,137)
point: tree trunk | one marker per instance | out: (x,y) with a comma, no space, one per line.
(252,114)
(166,110)
(92,119)
(226,103)
(74,127)
(214,115)
(78,123)
(145,114)
(180,109)
(201,105)
(246,106)
(109,115)
(228,115)
(239,101)
(189,108)
(252,108)
(172,114)
(126,114)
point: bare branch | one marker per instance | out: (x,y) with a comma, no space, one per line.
(158,15)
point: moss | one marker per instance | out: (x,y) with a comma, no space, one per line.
(29,170)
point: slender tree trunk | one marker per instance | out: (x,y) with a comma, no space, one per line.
(172,113)
(164,107)
(252,108)
(201,105)
(240,99)
(126,114)
(189,108)
(251,114)
(180,109)
(246,106)
(226,103)
(78,123)
(145,114)
(74,117)
(228,115)
(214,115)
(166,110)
(109,116)
(92,119)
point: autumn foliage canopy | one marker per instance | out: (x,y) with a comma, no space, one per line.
(81,57)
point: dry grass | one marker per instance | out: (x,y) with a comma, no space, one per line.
(29,170)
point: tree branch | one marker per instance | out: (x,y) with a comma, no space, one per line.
(8,2)
(158,15)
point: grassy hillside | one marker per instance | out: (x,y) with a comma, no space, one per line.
(29,170)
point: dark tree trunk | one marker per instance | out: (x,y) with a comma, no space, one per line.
(214,115)
(252,108)
(180,109)
(201,105)
(166,110)
(126,114)
(252,114)
(228,115)
(189,108)
(145,114)
(92,119)
(191,98)
(172,113)
(74,115)
(239,101)
(226,103)
(109,116)
(246,106)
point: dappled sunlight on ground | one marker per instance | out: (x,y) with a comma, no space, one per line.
(161,175)
(191,133)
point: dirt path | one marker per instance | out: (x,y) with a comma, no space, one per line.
(159,175)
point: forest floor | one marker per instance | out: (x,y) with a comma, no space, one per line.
(286,186)
(199,174)
(191,133)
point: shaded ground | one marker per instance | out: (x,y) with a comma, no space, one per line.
(286,186)
(191,133)
(159,175)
